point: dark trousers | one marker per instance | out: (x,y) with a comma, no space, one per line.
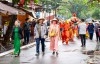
(83,39)
(38,41)
(97,37)
(91,36)
(26,37)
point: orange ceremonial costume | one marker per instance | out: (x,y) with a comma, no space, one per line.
(65,32)
(71,31)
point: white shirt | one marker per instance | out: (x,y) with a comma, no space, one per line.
(82,28)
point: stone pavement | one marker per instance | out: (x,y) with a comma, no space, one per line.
(68,54)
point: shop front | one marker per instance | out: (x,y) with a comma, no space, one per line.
(8,15)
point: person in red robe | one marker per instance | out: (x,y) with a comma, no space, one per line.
(61,24)
(65,33)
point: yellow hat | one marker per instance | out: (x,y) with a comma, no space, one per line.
(67,21)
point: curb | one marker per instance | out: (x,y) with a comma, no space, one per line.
(10,51)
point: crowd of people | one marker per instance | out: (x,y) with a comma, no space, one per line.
(64,30)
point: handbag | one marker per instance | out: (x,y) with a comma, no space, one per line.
(52,33)
(87,34)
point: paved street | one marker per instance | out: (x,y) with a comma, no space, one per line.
(70,54)
(26,20)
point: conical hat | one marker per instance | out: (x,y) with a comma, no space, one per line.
(97,22)
(41,19)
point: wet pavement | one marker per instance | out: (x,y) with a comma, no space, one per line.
(68,54)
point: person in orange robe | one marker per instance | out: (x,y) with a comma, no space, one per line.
(75,20)
(75,27)
(61,24)
(62,32)
(71,32)
(76,30)
(65,32)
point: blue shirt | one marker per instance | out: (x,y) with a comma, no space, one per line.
(90,28)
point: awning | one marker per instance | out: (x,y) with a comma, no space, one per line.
(2,12)
(10,9)
(30,12)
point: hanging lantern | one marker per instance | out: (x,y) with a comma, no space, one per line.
(22,1)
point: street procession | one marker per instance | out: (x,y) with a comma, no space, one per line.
(49,32)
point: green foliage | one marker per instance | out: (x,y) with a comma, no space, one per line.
(53,3)
(36,1)
(83,8)
(96,14)
(15,1)
(26,1)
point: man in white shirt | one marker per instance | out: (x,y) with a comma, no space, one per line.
(82,32)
